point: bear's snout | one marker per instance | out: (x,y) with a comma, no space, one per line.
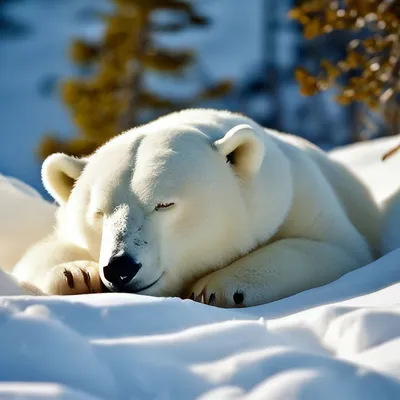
(120,270)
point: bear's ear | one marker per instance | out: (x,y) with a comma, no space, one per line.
(243,148)
(59,173)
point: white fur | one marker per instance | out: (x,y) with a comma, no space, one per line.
(390,226)
(309,217)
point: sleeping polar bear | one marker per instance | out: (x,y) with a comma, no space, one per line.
(202,204)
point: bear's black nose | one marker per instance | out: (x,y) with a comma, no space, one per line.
(120,270)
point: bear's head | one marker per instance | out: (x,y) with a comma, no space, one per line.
(158,210)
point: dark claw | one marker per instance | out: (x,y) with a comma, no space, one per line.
(86,277)
(200,297)
(238,298)
(70,278)
(212,300)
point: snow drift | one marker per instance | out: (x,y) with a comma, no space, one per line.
(25,218)
(337,341)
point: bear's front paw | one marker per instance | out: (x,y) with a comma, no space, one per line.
(77,277)
(218,290)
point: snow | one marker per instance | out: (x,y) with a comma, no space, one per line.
(25,219)
(366,161)
(341,340)
(382,178)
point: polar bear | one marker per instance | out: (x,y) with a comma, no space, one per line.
(202,204)
(390,238)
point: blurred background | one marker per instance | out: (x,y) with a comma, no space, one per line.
(74,73)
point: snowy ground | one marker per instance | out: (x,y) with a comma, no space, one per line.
(365,160)
(340,341)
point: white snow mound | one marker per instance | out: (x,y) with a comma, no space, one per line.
(25,218)
(339,341)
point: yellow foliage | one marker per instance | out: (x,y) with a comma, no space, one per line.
(83,53)
(111,99)
(375,60)
(308,84)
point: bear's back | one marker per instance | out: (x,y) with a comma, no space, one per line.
(353,195)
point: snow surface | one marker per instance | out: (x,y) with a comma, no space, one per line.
(365,159)
(339,341)
(24,219)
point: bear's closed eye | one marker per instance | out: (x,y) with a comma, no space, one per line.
(161,206)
